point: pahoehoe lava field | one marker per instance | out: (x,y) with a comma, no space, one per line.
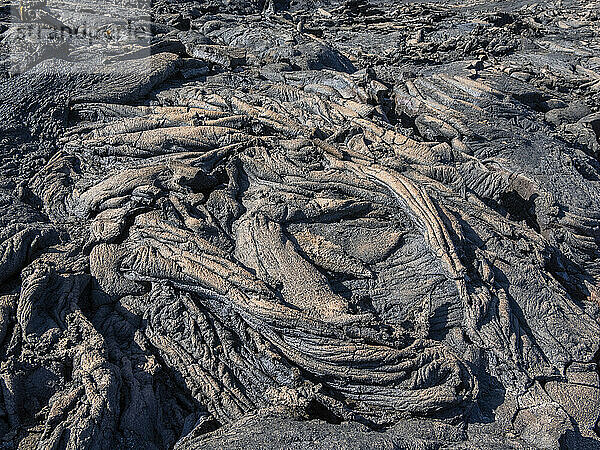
(299,224)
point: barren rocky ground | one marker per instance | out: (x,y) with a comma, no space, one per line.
(304,224)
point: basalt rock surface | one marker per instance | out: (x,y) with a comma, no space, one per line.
(299,224)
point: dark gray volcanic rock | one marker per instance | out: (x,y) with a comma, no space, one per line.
(299,224)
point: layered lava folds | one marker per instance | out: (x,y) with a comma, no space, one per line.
(252,222)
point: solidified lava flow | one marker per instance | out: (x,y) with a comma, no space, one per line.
(304,224)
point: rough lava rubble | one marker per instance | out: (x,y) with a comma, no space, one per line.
(299,224)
